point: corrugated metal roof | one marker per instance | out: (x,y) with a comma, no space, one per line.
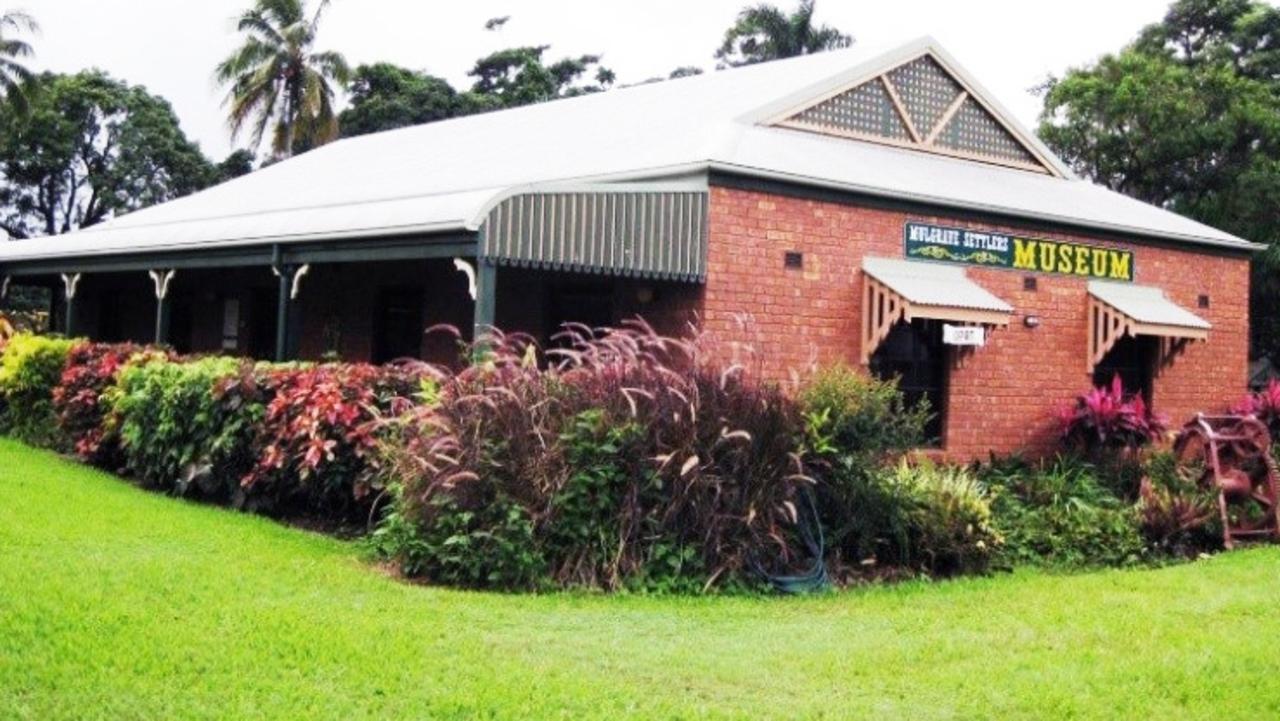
(447,175)
(933,284)
(648,234)
(1146,305)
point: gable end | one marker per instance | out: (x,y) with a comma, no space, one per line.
(918,105)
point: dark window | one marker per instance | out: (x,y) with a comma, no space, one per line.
(398,326)
(914,354)
(590,304)
(1134,359)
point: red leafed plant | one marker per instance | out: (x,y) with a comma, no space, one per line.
(1107,418)
(77,400)
(313,445)
(1265,405)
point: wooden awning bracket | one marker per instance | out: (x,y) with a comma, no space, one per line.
(883,308)
(1108,325)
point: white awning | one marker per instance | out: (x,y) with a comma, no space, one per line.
(1120,309)
(1150,311)
(904,290)
(932,285)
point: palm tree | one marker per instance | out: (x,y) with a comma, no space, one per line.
(276,77)
(13,74)
(764,32)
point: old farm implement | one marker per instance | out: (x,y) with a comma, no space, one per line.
(1233,455)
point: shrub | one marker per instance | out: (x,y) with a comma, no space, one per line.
(634,460)
(314,441)
(1105,419)
(945,518)
(848,412)
(853,423)
(187,427)
(1179,515)
(1060,513)
(1265,404)
(30,368)
(90,369)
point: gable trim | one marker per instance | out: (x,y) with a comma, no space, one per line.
(1045,162)
(896,99)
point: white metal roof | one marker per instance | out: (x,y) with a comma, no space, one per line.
(446,175)
(1146,305)
(933,284)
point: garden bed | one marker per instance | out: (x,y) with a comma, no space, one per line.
(621,460)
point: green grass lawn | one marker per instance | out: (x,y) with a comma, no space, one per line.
(119,604)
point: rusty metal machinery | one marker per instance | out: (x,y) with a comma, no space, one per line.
(1232,454)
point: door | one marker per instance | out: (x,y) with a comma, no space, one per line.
(398,324)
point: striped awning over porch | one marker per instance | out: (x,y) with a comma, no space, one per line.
(660,234)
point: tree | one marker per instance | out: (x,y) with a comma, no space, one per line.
(764,32)
(385,97)
(87,148)
(279,80)
(13,74)
(518,76)
(238,163)
(1188,118)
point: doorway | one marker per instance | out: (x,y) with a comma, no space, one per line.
(398,324)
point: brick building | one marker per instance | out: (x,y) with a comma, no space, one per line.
(875,209)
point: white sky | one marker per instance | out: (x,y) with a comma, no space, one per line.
(172,46)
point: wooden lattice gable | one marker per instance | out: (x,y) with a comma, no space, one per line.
(923,105)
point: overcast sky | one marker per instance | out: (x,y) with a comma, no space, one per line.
(172,46)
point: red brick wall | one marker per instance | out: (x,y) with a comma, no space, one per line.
(1004,397)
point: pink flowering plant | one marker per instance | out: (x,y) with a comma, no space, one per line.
(1265,405)
(1108,418)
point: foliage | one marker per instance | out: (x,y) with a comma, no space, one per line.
(1187,118)
(187,427)
(30,366)
(852,413)
(1179,514)
(673,470)
(1265,405)
(314,440)
(1105,418)
(386,97)
(238,163)
(13,74)
(944,516)
(487,545)
(90,147)
(78,400)
(853,423)
(1060,513)
(278,81)
(764,32)
(518,76)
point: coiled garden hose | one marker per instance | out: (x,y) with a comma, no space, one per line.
(815,578)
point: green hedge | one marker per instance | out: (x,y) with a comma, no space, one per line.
(187,427)
(30,368)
